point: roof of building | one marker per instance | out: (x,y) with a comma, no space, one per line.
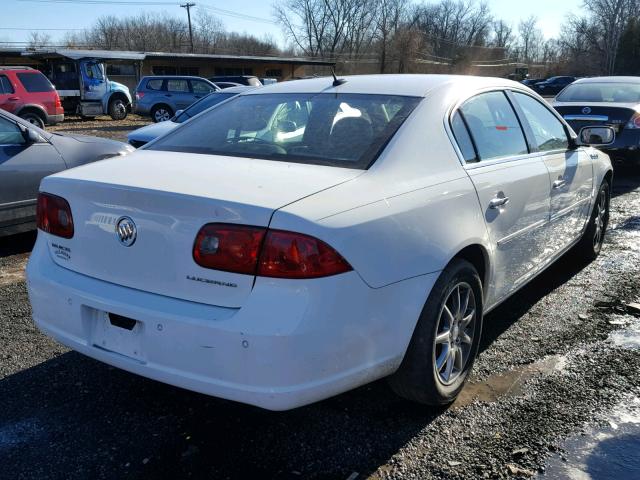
(77,54)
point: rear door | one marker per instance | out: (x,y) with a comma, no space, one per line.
(512,187)
(570,171)
(9,101)
(22,166)
(179,93)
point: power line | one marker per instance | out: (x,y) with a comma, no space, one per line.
(238,15)
(105,2)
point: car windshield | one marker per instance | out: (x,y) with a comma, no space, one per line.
(601,92)
(345,130)
(201,105)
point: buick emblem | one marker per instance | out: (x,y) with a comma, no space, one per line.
(586,110)
(126,231)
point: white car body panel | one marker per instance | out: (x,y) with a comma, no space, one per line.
(280,343)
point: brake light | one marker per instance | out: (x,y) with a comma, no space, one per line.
(294,255)
(634,122)
(58,103)
(53,215)
(139,95)
(267,253)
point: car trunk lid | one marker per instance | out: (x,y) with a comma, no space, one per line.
(615,115)
(169,197)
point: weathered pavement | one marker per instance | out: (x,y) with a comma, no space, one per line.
(556,360)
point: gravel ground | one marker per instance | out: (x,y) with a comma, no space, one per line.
(549,369)
(102,126)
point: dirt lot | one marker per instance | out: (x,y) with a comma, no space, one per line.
(101,126)
(559,365)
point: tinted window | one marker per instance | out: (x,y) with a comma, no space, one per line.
(346,130)
(155,84)
(10,133)
(176,85)
(463,139)
(201,105)
(547,129)
(35,82)
(601,92)
(5,85)
(494,126)
(200,87)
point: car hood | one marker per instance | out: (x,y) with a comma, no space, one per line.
(151,132)
(80,149)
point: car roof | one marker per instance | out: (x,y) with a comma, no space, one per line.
(612,79)
(180,77)
(414,85)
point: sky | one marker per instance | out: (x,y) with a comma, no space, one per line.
(18,17)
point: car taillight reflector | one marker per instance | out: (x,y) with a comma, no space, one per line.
(232,248)
(53,215)
(268,253)
(634,122)
(139,95)
(294,255)
(58,103)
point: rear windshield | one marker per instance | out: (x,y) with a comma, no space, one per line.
(201,105)
(35,82)
(345,130)
(601,92)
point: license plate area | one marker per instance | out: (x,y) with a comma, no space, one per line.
(118,334)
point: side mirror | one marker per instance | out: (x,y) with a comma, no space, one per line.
(596,136)
(287,126)
(178,113)
(33,136)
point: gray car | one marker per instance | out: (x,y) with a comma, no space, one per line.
(161,96)
(28,154)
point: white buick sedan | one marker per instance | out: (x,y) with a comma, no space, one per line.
(312,236)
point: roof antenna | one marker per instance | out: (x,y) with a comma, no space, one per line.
(337,81)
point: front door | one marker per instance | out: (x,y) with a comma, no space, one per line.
(512,188)
(570,171)
(94,85)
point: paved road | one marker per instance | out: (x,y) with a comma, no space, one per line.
(556,361)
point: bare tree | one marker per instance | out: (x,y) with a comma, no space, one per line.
(38,40)
(530,40)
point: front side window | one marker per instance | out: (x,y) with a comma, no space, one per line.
(93,71)
(201,88)
(494,126)
(345,130)
(10,133)
(35,82)
(547,129)
(178,86)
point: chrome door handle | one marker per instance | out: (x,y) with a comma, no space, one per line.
(498,202)
(559,183)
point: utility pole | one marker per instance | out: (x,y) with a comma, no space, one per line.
(188,7)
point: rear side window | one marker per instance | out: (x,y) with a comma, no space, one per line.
(463,139)
(35,82)
(5,85)
(155,84)
(546,128)
(178,86)
(494,126)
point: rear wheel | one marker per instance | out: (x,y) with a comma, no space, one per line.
(118,109)
(591,242)
(445,342)
(33,118)
(161,113)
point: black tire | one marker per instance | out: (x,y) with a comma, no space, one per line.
(590,245)
(33,118)
(118,109)
(161,113)
(418,379)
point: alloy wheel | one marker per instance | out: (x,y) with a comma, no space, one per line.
(600,219)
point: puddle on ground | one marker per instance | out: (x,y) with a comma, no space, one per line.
(14,273)
(604,453)
(629,336)
(507,384)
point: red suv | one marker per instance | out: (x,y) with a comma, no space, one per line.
(27,93)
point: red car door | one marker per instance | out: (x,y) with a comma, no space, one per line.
(9,101)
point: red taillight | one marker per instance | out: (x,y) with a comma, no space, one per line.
(53,215)
(232,248)
(634,122)
(58,103)
(267,253)
(294,255)
(139,95)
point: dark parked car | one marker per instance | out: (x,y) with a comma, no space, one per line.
(611,101)
(553,85)
(162,96)
(239,79)
(530,82)
(28,154)
(27,93)
(224,85)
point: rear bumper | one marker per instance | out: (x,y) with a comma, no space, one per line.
(291,344)
(141,109)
